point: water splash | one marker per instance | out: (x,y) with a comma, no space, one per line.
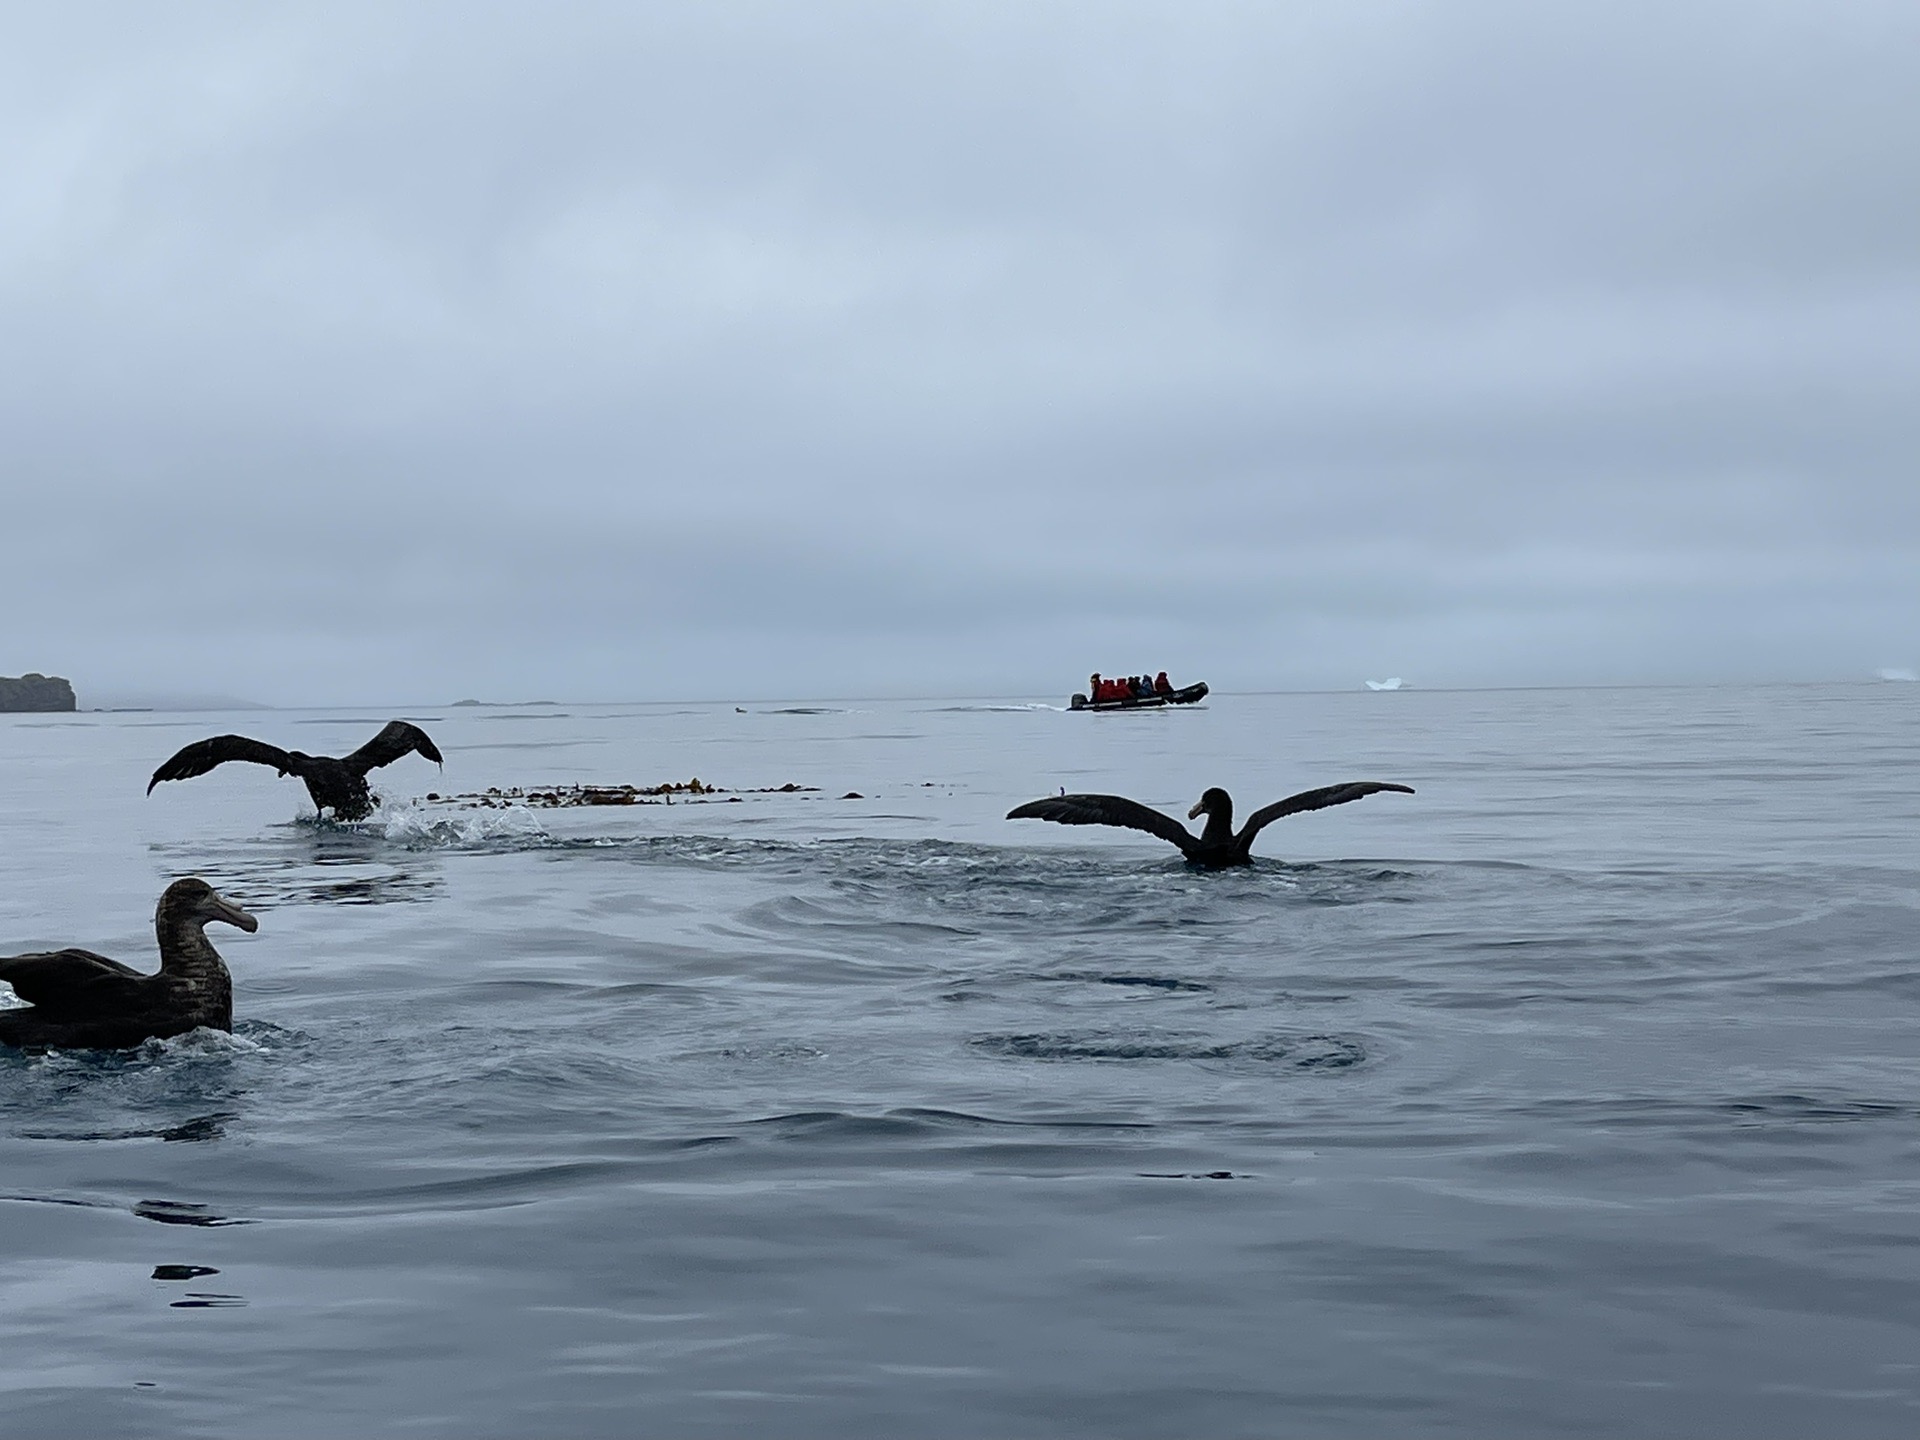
(421,825)
(201,1042)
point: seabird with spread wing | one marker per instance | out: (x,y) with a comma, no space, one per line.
(336,785)
(1216,846)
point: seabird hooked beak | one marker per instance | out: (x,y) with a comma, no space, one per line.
(225,909)
(1199,809)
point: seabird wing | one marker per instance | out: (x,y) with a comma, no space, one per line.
(58,980)
(201,756)
(1105,810)
(399,738)
(1315,800)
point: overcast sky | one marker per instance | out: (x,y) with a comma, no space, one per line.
(404,352)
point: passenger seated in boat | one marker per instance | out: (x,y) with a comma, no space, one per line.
(1162,685)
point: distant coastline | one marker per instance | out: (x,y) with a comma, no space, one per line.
(36,694)
(167,702)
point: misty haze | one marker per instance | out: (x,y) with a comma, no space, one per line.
(1096,719)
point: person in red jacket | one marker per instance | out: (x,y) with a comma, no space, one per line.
(1162,685)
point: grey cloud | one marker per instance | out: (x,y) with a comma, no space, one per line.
(394,352)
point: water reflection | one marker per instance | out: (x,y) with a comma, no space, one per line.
(182,1212)
(182,1272)
(317,864)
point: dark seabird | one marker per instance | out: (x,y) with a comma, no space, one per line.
(1214,847)
(83,1001)
(336,785)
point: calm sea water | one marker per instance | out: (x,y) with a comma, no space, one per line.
(1576,1094)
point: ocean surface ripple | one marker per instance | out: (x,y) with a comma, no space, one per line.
(1574,1094)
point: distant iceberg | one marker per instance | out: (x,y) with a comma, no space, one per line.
(1392,682)
(1896,672)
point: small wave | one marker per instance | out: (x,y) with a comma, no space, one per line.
(195,1044)
(201,1042)
(915,1121)
(194,1129)
(1142,982)
(777,1051)
(1392,682)
(1738,1111)
(1297,1052)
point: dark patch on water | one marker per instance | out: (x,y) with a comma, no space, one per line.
(200,1128)
(182,1272)
(922,1121)
(1140,982)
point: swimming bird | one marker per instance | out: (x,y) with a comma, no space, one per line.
(82,1001)
(336,785)
(1216,846)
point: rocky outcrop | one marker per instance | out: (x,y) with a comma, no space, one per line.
(36,693)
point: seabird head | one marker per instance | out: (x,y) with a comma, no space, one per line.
(1214,801)
(195,899)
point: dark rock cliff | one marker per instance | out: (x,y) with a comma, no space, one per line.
(36,692)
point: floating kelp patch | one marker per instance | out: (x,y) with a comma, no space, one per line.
(567,797)
(1296,1052)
